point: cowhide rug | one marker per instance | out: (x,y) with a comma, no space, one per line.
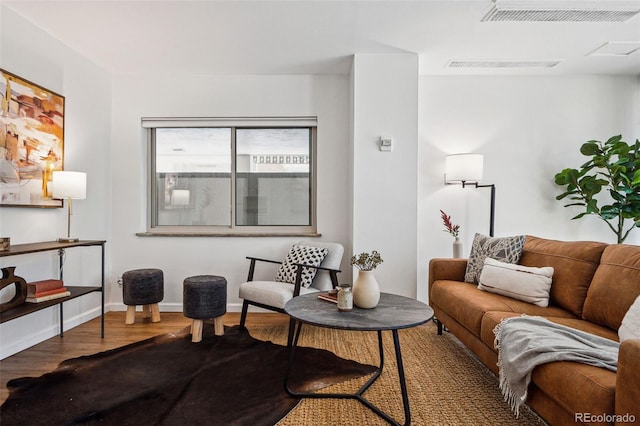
(168,380)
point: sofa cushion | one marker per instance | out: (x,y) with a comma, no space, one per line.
(507,249)
(467,305)
(579,388)
(491,319)
(574,263)
(615,285)
(525,283)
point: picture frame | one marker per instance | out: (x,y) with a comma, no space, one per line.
(31,142)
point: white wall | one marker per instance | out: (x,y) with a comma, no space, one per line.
(32,54)
(218,96)
(528,128)
(385,103)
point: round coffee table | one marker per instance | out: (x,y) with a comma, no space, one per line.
(392,313)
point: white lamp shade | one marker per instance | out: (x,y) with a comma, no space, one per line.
(69,185)
(464,168)
(180,197)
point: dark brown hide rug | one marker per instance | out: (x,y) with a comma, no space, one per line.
(168,380)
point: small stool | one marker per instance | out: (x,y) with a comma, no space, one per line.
(204,297)
(142,287)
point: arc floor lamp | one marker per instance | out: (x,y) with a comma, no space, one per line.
(468,169)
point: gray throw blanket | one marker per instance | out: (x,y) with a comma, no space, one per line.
(528,341)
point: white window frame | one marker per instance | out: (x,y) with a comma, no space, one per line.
(151,123)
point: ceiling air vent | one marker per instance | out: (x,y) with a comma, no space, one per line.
(503,64)
(562,11)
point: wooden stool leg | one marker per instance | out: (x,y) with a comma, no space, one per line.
(218,326)
(146,311)
(131,315)
(155,313)
(196,331)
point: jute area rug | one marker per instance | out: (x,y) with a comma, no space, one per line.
(446,385)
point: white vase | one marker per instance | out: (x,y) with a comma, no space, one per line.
(366,292)
(457,248)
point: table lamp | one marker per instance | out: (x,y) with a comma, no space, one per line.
(72,186)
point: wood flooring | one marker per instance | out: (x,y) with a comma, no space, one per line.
(85,340)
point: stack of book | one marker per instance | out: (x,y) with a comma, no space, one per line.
(329,297)
(41,291)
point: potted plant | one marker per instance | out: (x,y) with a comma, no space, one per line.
(608,185)
(454,231)
(366,291)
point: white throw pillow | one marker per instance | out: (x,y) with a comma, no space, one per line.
(524,283)
(630,328)
(305,255)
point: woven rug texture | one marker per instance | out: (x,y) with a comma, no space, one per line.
(445,383)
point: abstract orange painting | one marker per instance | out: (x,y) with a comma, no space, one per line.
(31,142)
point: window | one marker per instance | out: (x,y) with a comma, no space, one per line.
(232,176)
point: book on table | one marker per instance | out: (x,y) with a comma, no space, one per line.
(49,297)
(329,297)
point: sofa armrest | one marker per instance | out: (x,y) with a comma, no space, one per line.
(628,380)
(446,269)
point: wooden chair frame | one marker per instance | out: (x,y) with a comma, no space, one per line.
(333,273)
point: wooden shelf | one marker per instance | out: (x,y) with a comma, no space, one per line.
(76,291)
(28,308)
(17,249)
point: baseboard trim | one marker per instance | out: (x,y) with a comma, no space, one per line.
(177,307)
(29,340)
(41,335)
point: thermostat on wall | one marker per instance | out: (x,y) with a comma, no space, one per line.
(386,144)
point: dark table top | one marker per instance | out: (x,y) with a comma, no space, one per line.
(393,312)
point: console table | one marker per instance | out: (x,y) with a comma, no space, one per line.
(76,291)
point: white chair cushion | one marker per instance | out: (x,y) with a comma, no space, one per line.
(322,281)
(270,293)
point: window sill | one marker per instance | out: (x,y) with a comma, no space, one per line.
(219,234)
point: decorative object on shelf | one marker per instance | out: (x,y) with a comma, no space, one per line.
(5,243)
(366,291)
(454,231)
(615,167)
(8,278)
(72,186)
(34,121)
(345,298)
(467,169)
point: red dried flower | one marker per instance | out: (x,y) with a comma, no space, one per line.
(452,229)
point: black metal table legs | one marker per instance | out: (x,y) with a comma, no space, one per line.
(359,395)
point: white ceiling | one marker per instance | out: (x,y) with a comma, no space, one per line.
(318,37)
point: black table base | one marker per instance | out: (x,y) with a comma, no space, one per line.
(359,395)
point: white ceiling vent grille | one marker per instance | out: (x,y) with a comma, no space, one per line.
(562,11)
(503,64)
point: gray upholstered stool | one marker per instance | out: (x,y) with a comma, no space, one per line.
(204,297)
(142,287)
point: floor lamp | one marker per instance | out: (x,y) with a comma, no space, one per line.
(467,169)
(72,186)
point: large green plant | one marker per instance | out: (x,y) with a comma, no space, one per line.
(611,174)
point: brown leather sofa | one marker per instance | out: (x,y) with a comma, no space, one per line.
(594,284)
